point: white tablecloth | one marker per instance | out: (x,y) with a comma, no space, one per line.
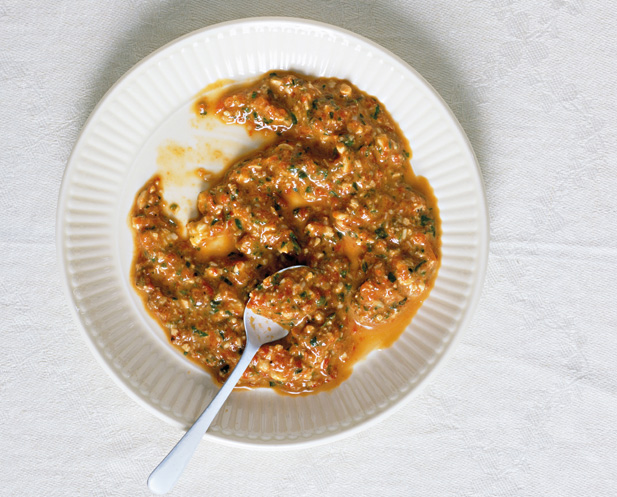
(526,405)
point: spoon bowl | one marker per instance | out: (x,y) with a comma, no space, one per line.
(259,331)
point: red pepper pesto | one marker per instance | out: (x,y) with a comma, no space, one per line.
(334,192)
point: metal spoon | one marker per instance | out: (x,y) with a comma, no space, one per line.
(259,330)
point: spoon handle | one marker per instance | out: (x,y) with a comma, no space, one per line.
(166,474)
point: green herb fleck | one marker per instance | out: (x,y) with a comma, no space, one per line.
(238,223)
(348,142)
(294,241)
(418,266)
(377,111)
(381,233)
(199,332)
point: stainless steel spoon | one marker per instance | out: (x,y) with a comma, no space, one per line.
(259,330)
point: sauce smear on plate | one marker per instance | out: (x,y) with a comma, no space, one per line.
(333,190)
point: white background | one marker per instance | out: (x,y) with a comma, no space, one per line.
(527,403)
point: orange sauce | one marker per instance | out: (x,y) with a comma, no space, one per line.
(376,270)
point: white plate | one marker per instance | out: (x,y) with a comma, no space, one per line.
(116,153)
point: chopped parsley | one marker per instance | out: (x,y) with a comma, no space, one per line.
(294,241)
(199,332)
(381,233)
(348,142)
(417,267)
(377,111)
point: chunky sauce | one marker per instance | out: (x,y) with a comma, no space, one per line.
(333,191)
